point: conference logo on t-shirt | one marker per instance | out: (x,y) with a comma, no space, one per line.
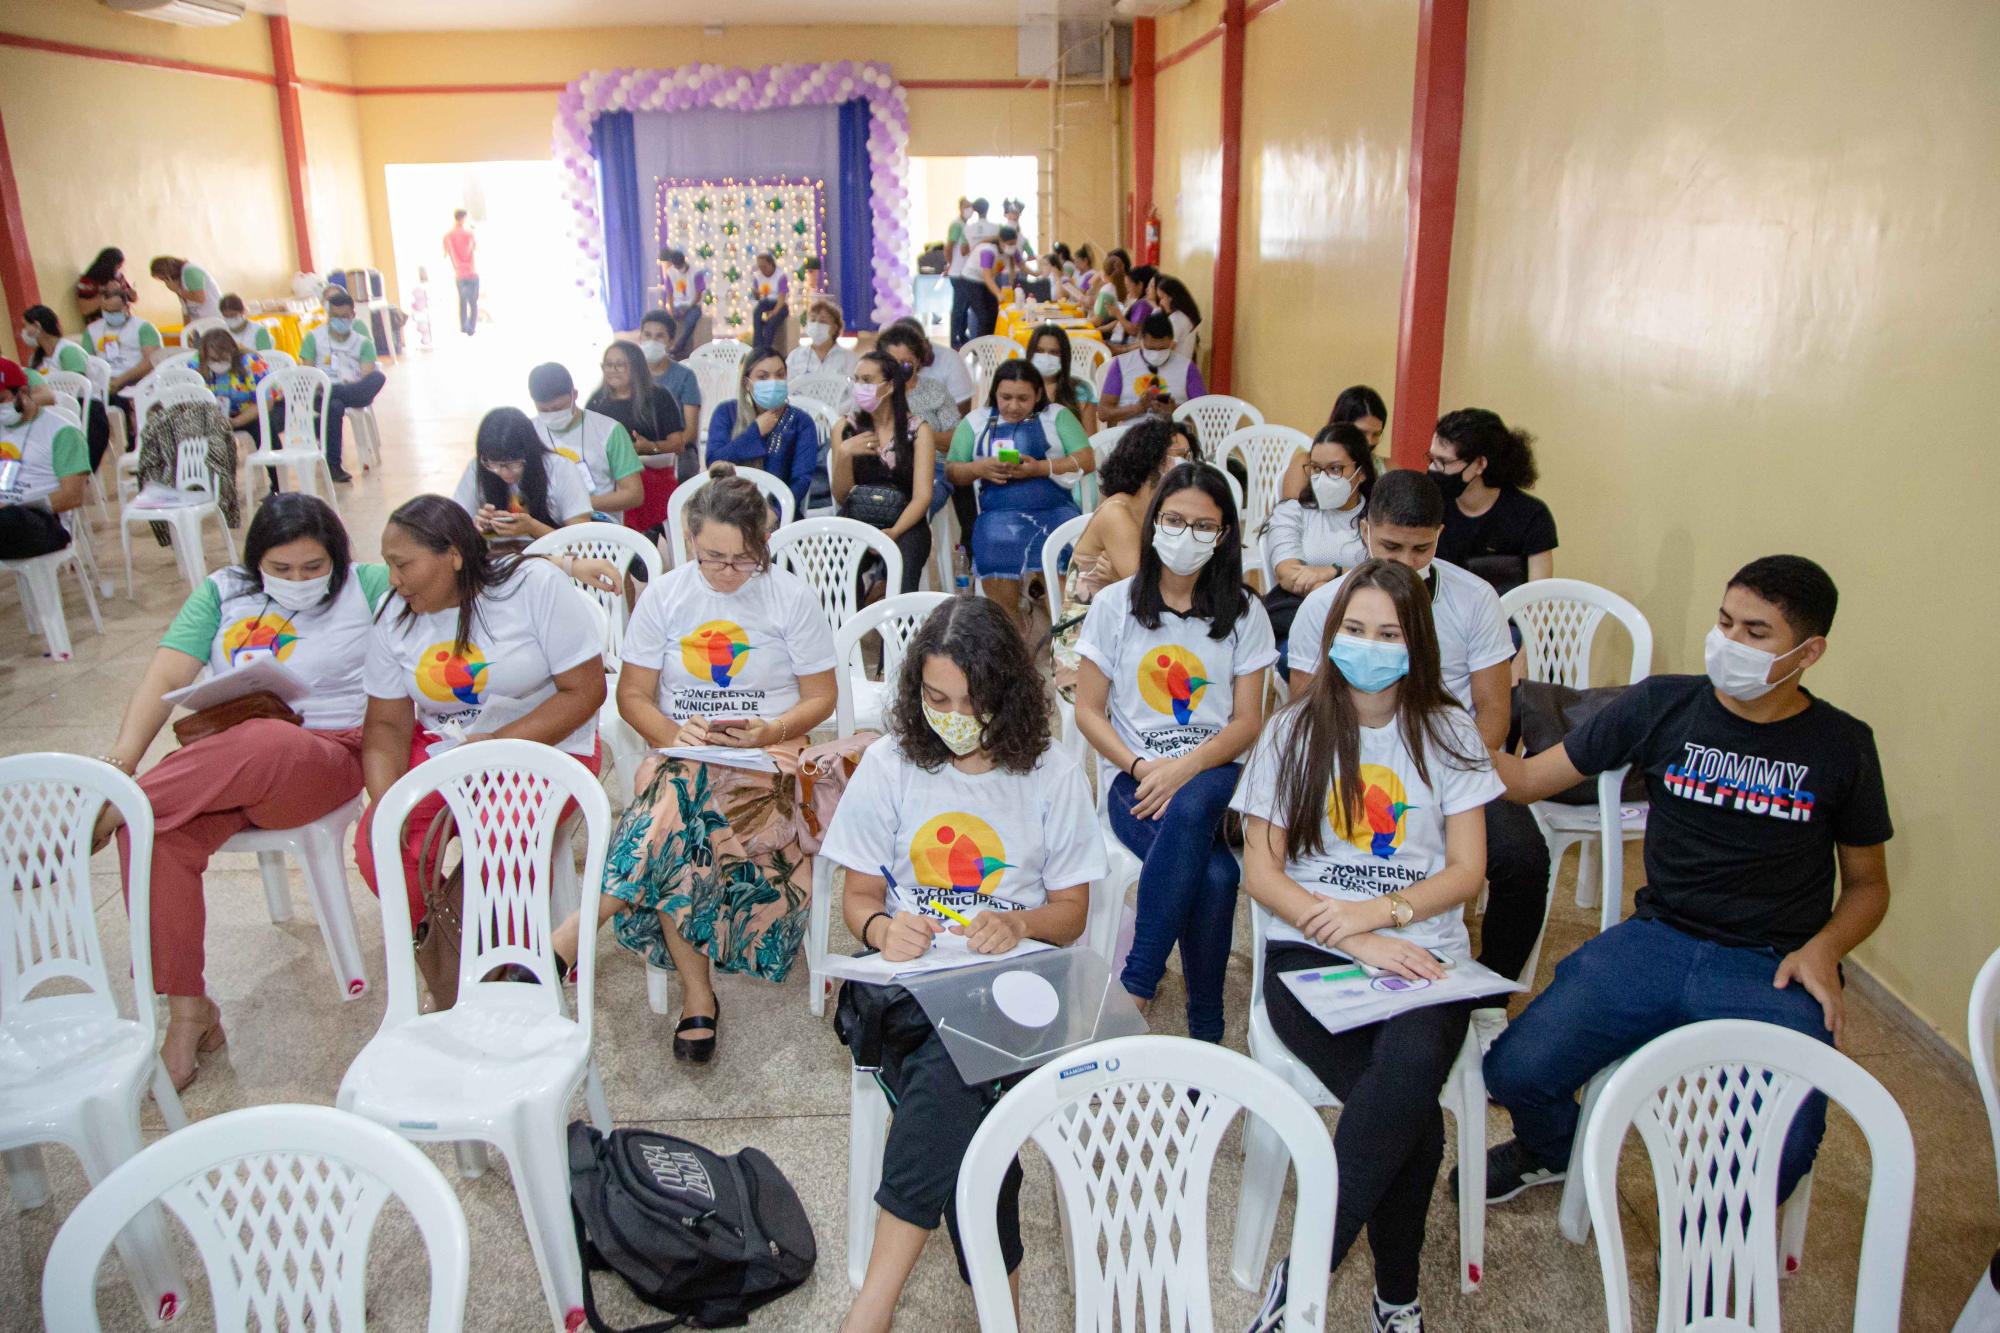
(262,635)
(9,451)
(714,651)
(958,855)
(447,675)
(1171,681)
(1384,803)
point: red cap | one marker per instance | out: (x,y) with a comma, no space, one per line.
(11,375)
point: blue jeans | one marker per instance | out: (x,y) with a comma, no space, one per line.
(1187,891)
(1634,982)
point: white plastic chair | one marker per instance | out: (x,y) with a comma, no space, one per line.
(192,331)
(725,351)
(81,391)
(767,482)
(1085,356)
(827,387)
(1266,451)
(1463,1095)
(502,1065)
(195,480)
(277,358)
(187,359)
(828,553)
(1982,1016)
(719,379)
(319,848)
(367,432)
(302,446)
(1133,1150)
(1559,620)
(1216,416)
(72,1068)
(281,1203)
(1712,1102)
(983,356)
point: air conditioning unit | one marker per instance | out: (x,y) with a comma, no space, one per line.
(1148,9)
(187,13)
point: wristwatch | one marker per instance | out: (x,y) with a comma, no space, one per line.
(1400,911)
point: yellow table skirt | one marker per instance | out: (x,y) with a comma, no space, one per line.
(284,329)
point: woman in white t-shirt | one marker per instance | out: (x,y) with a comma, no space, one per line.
(1316,537)
(468,630)
(1364,837)
(515,488)
(966,805)
(1170,694)
(1048,352)
(706,868)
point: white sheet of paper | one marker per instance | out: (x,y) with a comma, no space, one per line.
(1339,1000)
(498,711)
(729,756)
(263,672)
(947,951)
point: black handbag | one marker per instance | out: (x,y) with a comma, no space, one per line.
(876,505)
(1544,713)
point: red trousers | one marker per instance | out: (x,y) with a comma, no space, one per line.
(425,813)
(258,774)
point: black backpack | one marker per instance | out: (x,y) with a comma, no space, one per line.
(706,1238)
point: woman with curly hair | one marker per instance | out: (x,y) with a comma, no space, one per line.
(969,731)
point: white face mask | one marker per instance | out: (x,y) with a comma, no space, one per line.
(28,335)
(655,352)
(819,333)
(1180,552)
(1740,671)
(1048,363)
(220,367)
(10,414)
(1148,355)
(236,325)
(1331,492)
(297,594)
(557,422)
(960,732)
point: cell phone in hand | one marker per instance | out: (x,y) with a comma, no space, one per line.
(729,723)
(1009,455)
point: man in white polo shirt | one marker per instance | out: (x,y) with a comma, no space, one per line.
(1404,517)
(599,448)
(342,348)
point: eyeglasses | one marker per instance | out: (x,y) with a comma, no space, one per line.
(1330,469)
(1443,464)
(716,564)
(1205,530)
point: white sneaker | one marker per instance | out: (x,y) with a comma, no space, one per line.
(1396,1318)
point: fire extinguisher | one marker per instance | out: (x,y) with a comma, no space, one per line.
(1150,250)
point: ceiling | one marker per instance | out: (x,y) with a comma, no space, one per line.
(438,15)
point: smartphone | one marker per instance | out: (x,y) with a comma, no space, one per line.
(1009,455)
(729,723)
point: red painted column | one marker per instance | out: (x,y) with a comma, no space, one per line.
(294,135)
(1435,123)
(1221,319)
(1142,128)
(17,265)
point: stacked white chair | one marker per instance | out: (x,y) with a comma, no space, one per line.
(1712,1102)
(73,1069)
(1131,1129)
(1217,416)
(502,1065)
(281,1203)
(302,445)
(1559,620)
(195,480)
(828,553)
(320,849)
(1463,1094)
(778,492)
(983,356)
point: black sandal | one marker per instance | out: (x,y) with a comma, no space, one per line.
(700,1052)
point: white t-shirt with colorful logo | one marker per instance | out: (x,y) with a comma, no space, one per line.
(598,448)
(1174,687)
(36,455)
(229,622)
(344,360)
(524,633)
(1398,841)
(993,841)
(734,654)
(122,347)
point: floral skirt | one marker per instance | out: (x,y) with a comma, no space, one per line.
(717,850)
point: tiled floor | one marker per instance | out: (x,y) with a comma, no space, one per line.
(780,1082)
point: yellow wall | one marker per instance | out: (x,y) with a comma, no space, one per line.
(1187,169)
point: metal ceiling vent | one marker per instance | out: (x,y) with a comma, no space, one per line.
(187,13)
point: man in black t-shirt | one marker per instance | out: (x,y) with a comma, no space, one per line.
(1758,791)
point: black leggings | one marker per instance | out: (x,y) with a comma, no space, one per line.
(1389,1140)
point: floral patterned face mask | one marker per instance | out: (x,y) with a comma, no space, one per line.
(960,733)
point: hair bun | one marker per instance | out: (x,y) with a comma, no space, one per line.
(719,470)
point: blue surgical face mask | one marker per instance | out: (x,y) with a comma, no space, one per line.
(339,326)
(768,394)
(116,318)
(1370,665)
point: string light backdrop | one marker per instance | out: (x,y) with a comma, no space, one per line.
(724,225)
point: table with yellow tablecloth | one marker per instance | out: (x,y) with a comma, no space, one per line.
(284,329)
(1018,322)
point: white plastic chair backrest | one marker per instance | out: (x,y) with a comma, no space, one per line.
(281,1203)
(192,331)
(1106,439)
(725,351)
(507,797)
(165,377)
(718,380)
(175,384)
(99,372)
(1235,491)
(1133,1149)
(304,389)
(48,919)
(66,403)
(823,419)
(1085,356)
(1215,417)
(1559,620)
(620,545)
(828,387)
(983,356)
(73,383)
(184,360)
(828,553)
(1983,1014)
(276,357)
(896,619)
(777,491)
(1065,536)
(191,470)
(1713,1102)
(1267,450)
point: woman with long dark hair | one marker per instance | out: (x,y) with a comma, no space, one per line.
(1171,295)
(1169,694)
(107,270)
(1358,406)
(885,462)
(515,489)
(465,630)
(1048,351)
(1492,526)
(1364,838)
(630,396)
(967,805)
(48,350)
(1109,548)
(1316,536)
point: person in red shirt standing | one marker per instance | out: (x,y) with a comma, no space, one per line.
(459,243)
